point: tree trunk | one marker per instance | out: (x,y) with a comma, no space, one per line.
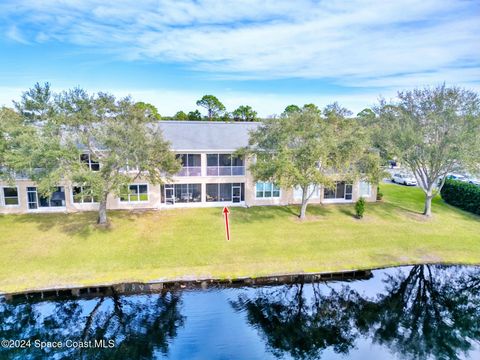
(102,212)
(428,205)
(303,209)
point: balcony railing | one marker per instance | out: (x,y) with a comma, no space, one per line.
(190,171)
(225,170)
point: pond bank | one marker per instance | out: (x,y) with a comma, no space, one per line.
(159,286)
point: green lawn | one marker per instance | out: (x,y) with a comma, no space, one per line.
(50,250)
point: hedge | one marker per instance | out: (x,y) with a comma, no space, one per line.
(463,195)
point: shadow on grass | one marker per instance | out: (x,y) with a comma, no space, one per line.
(262,213)
(346,210)
(81,224)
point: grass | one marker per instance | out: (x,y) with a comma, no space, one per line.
(53,250)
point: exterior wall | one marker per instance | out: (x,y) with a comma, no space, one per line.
(22,197)
(155,194)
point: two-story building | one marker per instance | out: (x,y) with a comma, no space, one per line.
(212,175)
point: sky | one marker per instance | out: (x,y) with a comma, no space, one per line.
(266,54)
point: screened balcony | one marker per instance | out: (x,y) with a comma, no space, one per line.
(191,165)
(225,165)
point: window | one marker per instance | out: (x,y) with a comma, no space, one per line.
(182,193)
(87,159)
(225,192)
(32,197)
(191,165)
(35,201)
(340,191)
(135,193)
(224,165)
(82,195)
(266,190)
(365,189)
(130,168)
(185,193)
(312,189)
(10,196)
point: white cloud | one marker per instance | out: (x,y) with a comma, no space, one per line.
(356,43)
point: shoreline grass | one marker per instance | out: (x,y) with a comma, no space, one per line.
(67,250)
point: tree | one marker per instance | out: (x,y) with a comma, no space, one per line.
(226,116)
(9,130)
(115,134)
(151,112)
(213,105)
(433,131)
(335,110)
(244,113)
(301,149)
(194,115)
(290,109)
(37,103)
(312,107)
(180,115)
(366,114)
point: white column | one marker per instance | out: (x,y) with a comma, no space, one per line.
(203,160)
(204,192)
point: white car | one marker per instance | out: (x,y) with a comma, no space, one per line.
(404,179)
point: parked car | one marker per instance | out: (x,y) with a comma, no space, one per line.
(457,177)
(474,181)
(405,179)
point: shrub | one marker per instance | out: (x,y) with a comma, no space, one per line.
(463,195)
(379,194)
(360,208)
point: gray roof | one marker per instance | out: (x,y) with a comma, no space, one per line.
(207,135)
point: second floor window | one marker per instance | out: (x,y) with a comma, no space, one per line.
(91,163)
(225,165)
(191,165)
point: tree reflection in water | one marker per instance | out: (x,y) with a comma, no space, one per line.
(291,323)
(432,311)
(428,311)
(140,325)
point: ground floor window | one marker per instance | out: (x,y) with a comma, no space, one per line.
(266,190)
(365,189)
(35,201)
(234,192)
(135,193)
(82,195)
(182,193)
(312,189)
(10,196)
(341,190)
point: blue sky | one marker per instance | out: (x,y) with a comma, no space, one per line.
(267,54)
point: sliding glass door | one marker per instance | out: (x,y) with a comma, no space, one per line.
(341,191)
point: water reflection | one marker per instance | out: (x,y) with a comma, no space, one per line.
(429,311)
(417,312)
(426,312)
(140,326)
(291,323)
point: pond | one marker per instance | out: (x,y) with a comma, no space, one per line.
(411,312)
